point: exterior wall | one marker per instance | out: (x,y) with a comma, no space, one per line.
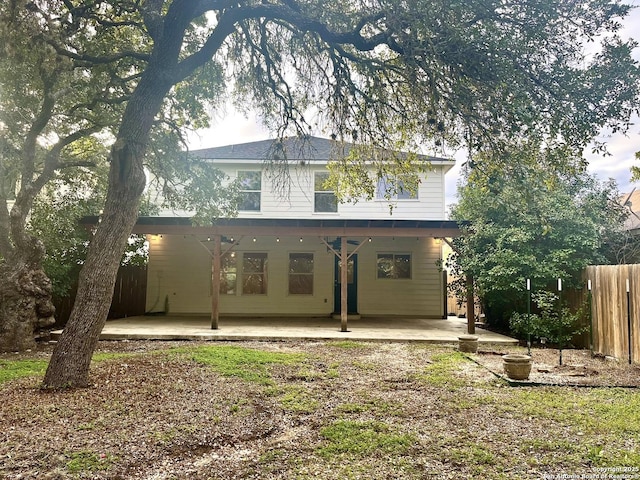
(180,270)
(421,295)
(298,201)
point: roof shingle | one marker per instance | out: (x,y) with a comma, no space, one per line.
(291,148)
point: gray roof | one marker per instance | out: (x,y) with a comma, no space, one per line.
(291,148)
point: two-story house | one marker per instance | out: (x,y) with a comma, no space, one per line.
(303,253)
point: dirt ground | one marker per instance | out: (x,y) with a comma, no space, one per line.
(419,412)
(579,367)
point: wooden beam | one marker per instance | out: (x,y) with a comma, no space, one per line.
(275,231)
(358,248)
(344,259)
(215,281)
(337,254)
(471,314)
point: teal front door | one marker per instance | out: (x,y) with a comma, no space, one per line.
(352,285)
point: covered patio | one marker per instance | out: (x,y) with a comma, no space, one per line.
(350,236)
(379,329)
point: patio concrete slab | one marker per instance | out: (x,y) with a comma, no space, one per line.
(387,329)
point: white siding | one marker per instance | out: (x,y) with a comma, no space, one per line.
(180,270)
(421,295)
(297,200)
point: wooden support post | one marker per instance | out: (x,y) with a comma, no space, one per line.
(344,259)
(215,281)
(471,314)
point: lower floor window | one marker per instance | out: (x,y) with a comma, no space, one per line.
(394,265)
(301,273)
(228,274)
(254,274)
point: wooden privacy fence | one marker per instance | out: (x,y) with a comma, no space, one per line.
(615,313)
(129,296)
(130,292)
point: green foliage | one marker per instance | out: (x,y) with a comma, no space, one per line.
(298,399)
(55,220)
(379,81)
(386,74)
(598,411)
(474,454)
(87,461)
(186,183)
(525,324)
(55,215)
(363,438)
(376,406)
(534,213)
(555,323)
(13,369)
(441,372)
(635,171)
(245,363)
(348,344)
(60,107)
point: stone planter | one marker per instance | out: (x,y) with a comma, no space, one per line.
(517,366)
(468,343)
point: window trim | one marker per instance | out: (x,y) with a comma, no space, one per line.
(380,193)
(394,255)
(243,190)
(310,274)
(234,257)
(263,273)
(324,192)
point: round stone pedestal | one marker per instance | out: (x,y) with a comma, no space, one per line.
(517,366)
(468,343)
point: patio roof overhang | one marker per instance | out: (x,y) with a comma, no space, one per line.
(295,227)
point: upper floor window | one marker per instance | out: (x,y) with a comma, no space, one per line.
(301,273)
(395,189)
(324,198)
(254,274)
(250,189)
(394,265)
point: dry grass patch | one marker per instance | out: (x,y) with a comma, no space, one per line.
(297,410)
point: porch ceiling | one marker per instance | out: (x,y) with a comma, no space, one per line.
(296,227)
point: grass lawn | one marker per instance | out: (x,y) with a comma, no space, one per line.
(306,410)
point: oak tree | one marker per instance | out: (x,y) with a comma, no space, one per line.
(58,111)
(384,73)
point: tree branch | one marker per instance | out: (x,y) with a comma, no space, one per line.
(93,60)
(62,166)
(295,20)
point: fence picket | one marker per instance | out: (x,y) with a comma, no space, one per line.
(129,296)
(609,309)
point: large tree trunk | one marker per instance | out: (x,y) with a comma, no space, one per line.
(69,364)
(25,305)
(25,296)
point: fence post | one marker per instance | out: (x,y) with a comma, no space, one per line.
(529,316)
(590,300)
(629,322)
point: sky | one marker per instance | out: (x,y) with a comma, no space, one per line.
(233,127)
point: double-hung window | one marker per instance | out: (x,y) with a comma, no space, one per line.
(392,188)
(228,274)
(250,190)
(301,273)
(394,265)
(324,197)
(254,274)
